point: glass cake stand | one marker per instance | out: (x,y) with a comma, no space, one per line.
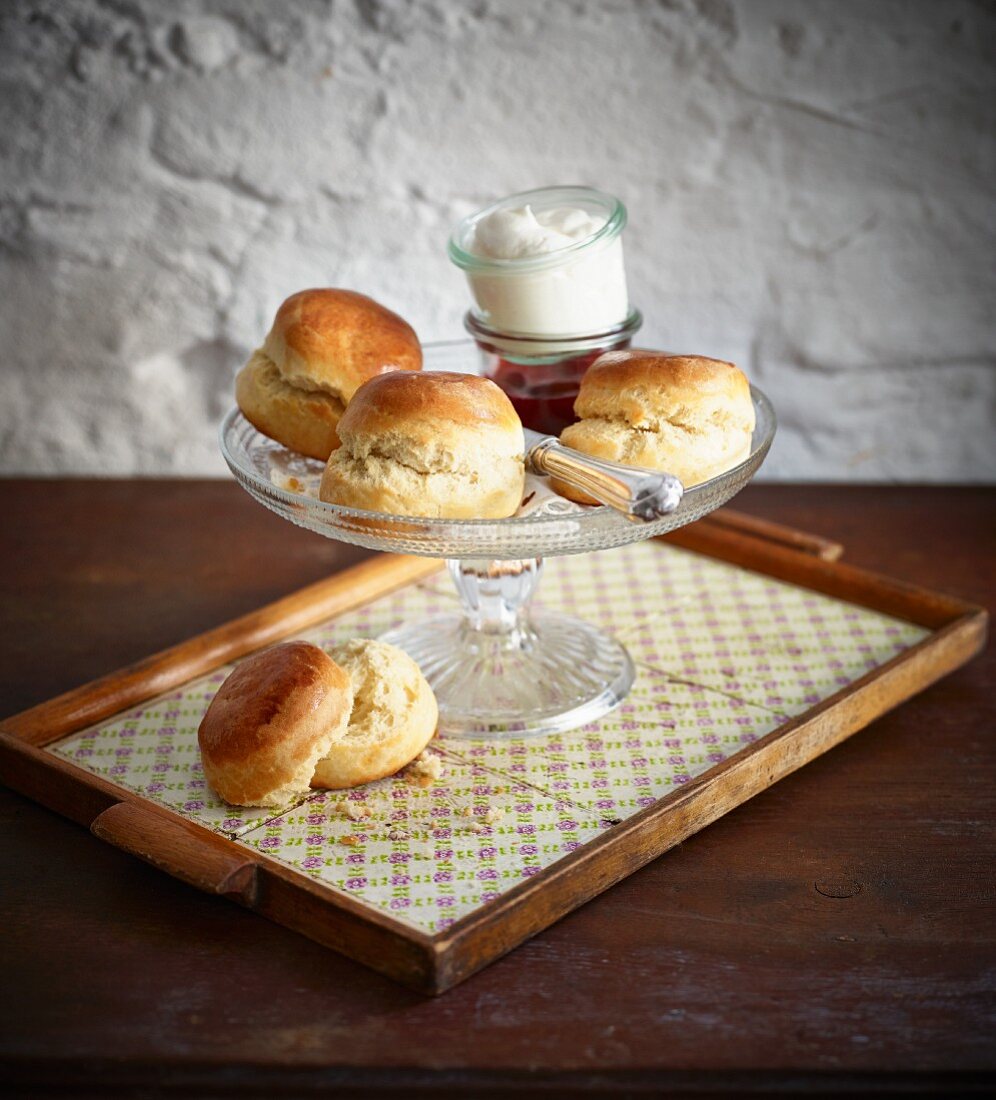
(497,668)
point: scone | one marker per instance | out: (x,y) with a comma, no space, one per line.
(428,444)
(685,415)
(394,716)
(324,344)
(271,721)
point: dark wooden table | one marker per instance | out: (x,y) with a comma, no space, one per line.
(728,963)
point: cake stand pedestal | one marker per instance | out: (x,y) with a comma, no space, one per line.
(500,670)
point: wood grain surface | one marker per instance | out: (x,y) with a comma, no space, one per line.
(834,934)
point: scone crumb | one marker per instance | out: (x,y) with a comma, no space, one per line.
(467,811)
(399,833)
(477,827)
(287,482)
(355,811)
(424,770)
(495,813)
(349,840)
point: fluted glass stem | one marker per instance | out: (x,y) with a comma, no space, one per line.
(499,670)
(495,596)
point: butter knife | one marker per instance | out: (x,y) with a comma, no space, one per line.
(633,490)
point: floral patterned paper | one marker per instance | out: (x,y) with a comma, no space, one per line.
(429,855)
(661,736)
(724,656)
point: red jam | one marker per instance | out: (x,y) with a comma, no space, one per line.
(543,393)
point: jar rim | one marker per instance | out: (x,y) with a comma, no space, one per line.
(498,339)
(469,261)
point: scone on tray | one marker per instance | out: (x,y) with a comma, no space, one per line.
(428,444)
(324,344)
(686,415)
(394,716)
(275,716)
(293,718)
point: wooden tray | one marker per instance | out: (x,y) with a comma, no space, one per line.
(947,632)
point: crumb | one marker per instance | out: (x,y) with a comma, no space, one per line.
(356,811)
(424,770)
(287,482)
(495,813)
(467,811)
(398,833)
(477,827)
(349,840)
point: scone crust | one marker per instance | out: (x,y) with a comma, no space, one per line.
(645,387)
(437,405)
(394,716)
(335,340)
(271,720)
(430,444)
(688,415)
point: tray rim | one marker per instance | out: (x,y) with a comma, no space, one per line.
(433,963)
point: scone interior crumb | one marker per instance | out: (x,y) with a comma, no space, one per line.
(379,695)
(273,378)
(425,769)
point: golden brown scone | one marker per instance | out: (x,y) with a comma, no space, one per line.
(429,444)
(394,716)
(686,415)
(324,344)
(272,719)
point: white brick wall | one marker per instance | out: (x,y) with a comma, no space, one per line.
(810,187)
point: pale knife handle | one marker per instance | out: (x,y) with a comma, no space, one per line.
(632,490)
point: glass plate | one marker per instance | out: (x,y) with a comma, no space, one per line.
(254,459)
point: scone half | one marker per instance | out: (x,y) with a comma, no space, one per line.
(394,716)
(276,714)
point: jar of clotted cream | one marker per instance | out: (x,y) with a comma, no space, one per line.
(546,272)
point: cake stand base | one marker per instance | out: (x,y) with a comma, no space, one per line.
(499,671)
(557,674)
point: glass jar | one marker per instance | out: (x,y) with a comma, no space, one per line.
(541,374)
(541,318)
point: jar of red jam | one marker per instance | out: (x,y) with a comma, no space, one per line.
(542,374)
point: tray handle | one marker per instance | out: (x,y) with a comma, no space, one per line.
(180,848)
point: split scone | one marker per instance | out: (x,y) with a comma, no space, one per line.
(292,718)
(324,344)
(428,444)
(685,415)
